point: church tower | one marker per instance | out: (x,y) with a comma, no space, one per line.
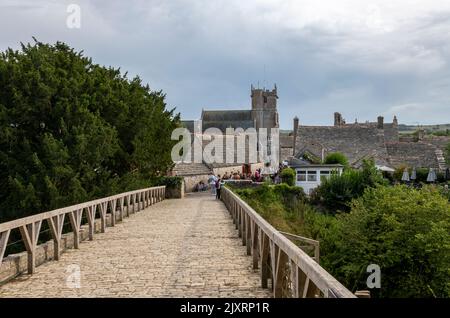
(264,107)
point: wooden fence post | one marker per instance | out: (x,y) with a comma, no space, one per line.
(30,235)
(55,224)
(75,221)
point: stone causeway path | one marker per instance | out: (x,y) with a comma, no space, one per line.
(176,248)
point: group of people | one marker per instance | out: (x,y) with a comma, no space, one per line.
(215,183)
(256,177)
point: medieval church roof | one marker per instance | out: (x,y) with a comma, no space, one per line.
(223,119)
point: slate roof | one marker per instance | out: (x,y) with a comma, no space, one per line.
(354,141)
(223,119)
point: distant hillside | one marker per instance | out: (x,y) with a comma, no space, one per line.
(405,129)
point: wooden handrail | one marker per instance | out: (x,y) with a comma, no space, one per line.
(312,243)
(293,272)
(30,226)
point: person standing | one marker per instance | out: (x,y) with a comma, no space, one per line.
(212,183)
(218,187)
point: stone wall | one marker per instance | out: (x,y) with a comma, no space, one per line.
(175,193)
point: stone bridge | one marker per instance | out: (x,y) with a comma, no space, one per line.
(188,247)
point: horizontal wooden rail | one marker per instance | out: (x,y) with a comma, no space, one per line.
(315,245)
(121,205)
(293,273)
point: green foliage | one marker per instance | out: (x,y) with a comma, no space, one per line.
(281,205)
(337,192)
(311,158)
(170,181)
(336,158)
(288,176)
(441,132)
(71,130)
(403,230)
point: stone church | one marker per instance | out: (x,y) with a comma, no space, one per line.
(262,114)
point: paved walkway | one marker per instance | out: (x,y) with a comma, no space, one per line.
(176,248)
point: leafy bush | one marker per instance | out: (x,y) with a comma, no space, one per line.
(281,205)
(403,230)
(336,158)
(288,176)
(169,181)
(336,192)
(71,130)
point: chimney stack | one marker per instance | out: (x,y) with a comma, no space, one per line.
(295,134)
(395,121)
(380,122)
(338,121)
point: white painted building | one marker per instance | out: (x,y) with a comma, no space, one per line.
(310,176)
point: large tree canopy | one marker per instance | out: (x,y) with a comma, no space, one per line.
(71,130)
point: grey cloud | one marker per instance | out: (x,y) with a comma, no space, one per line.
(207,53)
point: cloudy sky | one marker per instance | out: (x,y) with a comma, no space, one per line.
(362,58)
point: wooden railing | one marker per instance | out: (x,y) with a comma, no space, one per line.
(311,245)
(120,205)
(292,272)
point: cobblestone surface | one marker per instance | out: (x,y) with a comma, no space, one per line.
(177,248)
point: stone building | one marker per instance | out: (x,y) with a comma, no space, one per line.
(378,140)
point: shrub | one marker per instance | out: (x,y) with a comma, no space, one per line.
(288,176)
(281,205)
(169,181)
(337,192)
(336,158)
(403,230)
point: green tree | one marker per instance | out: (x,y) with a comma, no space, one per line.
(288,176)
(72,130)
(337,192)
(336,158)
(403,230)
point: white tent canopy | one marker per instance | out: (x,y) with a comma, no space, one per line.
(385,168)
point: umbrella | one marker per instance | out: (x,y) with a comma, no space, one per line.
(431,176)
(385,168)
(405,176)
(447,174)
(413,174)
